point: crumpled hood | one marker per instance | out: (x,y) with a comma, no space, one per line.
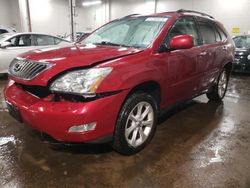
(78,55)
(72,56)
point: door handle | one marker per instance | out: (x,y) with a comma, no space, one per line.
(203,54)
(224,47)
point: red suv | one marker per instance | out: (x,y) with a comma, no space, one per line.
(113,85)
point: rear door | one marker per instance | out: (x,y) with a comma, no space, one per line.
(209,56)
(222,49)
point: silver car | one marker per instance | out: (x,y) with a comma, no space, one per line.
(13,44)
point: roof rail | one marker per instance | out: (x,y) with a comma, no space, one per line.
(131,15)
(196,12)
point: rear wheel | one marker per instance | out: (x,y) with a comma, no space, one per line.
(218,91)
(136,124)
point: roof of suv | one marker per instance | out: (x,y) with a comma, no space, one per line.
(189,12)
(178,13)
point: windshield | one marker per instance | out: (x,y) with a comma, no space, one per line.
(131,32)
(242,42)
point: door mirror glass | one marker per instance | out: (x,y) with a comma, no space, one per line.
(181,42)
(5,44)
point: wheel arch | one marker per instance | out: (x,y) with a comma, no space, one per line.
(152,87)
(229,67)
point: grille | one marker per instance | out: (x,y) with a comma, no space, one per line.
(27,69)
(239,56)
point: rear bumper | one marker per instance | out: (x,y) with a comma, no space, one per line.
(55,118)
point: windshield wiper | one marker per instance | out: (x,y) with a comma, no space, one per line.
(107,43)
(115,44)
(136,46)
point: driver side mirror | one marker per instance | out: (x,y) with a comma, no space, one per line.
(181,42)
(5,44)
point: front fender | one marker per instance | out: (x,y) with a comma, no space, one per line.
(129,75)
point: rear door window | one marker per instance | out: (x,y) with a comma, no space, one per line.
(44,40)
(58,41)
(222,34)
(217,35)
(207,32)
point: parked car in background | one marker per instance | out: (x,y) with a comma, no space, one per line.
(113,85)
(13,44)
(3,31)
(6,30)
(242,54)
(79,36)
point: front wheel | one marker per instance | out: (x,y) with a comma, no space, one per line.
(218,91)
(136,124)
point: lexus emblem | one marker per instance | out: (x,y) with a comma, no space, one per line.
(17,67)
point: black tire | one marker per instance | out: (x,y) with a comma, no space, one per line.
(120,143)
(213,93)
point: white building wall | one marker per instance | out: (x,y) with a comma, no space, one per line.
(4,13)
(50,16)
(120,8)
(171,5)
(90,18)
(14,16)
(232,13)
(9,14)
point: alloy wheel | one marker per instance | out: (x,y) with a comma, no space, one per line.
(139,124)
(222,84)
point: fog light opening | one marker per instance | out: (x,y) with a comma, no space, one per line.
(82,128)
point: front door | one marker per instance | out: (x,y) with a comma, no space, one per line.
(182,76)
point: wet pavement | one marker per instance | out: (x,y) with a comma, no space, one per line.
(198,144)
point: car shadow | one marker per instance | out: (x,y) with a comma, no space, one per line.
(71,147)
(167,113)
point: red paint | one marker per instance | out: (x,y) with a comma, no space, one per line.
(55,118)
(181,74)
(181,42)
